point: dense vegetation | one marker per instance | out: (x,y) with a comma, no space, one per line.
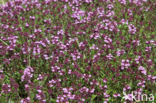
(77,51)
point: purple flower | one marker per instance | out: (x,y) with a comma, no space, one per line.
(142,69)
(26,100)
(131,29)
(125,64)
(27,74)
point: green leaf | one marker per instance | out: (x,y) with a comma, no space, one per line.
(92,52)
(93,97)
(82,70)
(53,100)
(155,60)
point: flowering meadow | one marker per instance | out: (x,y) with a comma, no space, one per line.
(77,51)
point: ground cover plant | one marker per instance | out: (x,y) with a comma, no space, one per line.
(77,51)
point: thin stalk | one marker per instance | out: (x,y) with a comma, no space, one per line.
(3,42)
(29,61)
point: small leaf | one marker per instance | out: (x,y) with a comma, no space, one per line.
(93,97)
(82,70)
(53,100)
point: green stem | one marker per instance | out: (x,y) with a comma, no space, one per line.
(3,42)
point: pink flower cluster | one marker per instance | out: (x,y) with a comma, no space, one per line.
(28,74)
(125,64)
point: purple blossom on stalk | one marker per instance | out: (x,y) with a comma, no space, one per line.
(40,96)
(120,52)
(131,29)
(137,59)
(25,100)
(2,77)
(130,13)
(106,95)
(123,21)
(107,40)
(109,56)
(122,2)
(27,75)
(78,14)
(27,87)
(142,69)
(6,88)
(100,12)
(136,42)
(142,84)
(124,64)
(67,95)
(76,48)
(148,49)
(126,88)
(116,95)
